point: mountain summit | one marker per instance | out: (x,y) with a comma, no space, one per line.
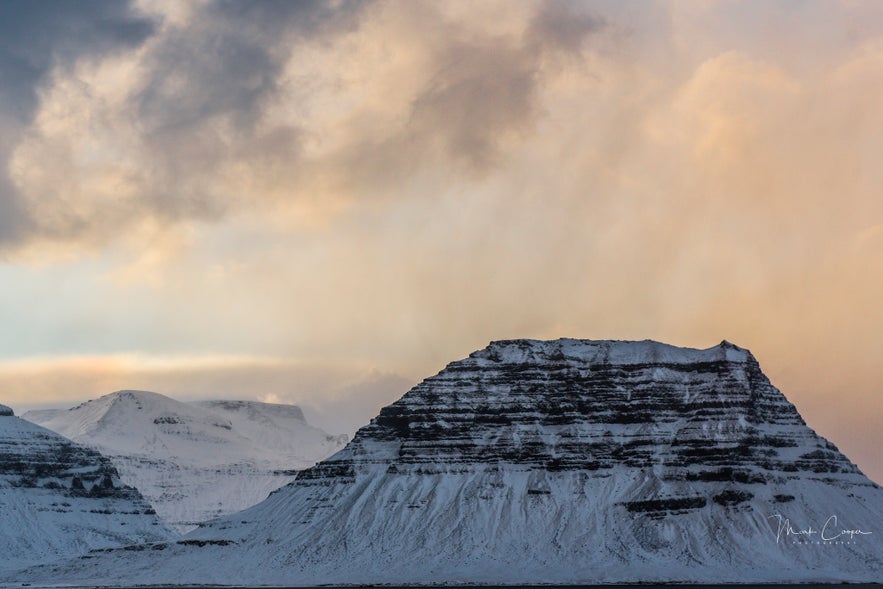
(566,461)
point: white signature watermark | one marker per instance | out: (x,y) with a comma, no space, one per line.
(831,532)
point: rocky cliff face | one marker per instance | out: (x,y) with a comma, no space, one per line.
(569,461)
(59,499)
(574,406)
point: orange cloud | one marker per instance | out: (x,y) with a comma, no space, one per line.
(400,185)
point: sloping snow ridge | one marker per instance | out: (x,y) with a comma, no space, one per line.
(567,461)
(195,461)
(60,499)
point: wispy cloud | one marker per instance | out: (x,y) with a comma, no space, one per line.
(37,38)
(209,113)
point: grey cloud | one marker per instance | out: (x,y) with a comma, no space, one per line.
(483,92)
(34,37)
(479,94)
(564,25)
(217,71)
(228,61)
(225,65)
(199,108)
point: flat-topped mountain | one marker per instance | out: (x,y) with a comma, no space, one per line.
(60,499)
(566,461)
(195,461)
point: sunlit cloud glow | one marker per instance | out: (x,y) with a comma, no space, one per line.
(302,201)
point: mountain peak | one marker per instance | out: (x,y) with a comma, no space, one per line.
(125,397)
(136,396)
(134,393)
(6,411)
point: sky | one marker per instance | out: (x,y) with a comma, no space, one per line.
(324,203)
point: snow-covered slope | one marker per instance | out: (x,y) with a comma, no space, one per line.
(195,461)
(59,499)
(280,429)
(570,461)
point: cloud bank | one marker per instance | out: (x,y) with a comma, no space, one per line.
(391,185)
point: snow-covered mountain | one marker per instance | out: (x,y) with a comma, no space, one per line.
(197,461)
(60,499)
(568,461)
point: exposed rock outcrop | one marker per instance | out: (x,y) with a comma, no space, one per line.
(59,499)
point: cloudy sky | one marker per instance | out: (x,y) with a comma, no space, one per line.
(325,202)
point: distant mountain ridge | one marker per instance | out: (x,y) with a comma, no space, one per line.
(195,461)
(565,462)
(61,499)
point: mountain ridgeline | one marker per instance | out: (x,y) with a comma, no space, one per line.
(195,461)
(565,461)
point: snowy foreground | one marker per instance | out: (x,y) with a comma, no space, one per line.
(195,461)
(569,462)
